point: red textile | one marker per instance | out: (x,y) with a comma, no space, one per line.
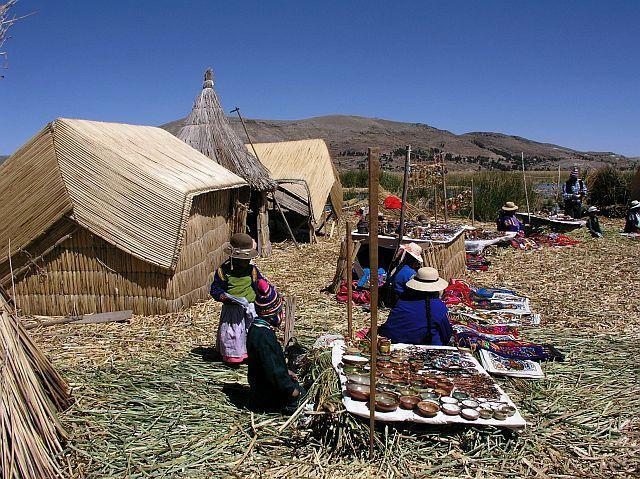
(392,203)
(359,296)
(457,292)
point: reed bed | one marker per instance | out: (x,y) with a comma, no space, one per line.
(152,404)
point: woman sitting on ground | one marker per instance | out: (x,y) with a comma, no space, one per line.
(593,224)
(632,223)
(420,317)
(507,221)
(410,262)
(273,387)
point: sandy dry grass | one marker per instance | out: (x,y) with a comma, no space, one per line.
(148,405)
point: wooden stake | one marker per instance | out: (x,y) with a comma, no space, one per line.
(349,282)
(405,185)
(526,194)
(435,204)
(275,201)
(374,183)
(473,205)
(444,187)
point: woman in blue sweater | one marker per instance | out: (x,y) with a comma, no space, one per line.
(420,317)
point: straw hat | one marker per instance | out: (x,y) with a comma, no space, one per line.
(414,250)
(593,209)
(241,246)
(509,206)
(634,204)
(427,279)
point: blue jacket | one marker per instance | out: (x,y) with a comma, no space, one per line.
(407,322)
(400,278)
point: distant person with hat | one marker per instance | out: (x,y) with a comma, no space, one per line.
(632,222)
(273,388)
(574,191)
(593,224)
(419,316)
(409,259)
(508,221)
(235,285)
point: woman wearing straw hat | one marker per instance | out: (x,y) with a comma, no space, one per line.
(235,285)
(593,225)
(508,221)
(574,191)
(419,316)
(408,259)
(632,223)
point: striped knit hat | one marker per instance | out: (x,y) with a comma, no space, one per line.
(268,301)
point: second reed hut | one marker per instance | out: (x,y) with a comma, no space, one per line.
(105,216)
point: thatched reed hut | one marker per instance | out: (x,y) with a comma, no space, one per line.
(31,394)
(105,217)
(307,180)
(207,129)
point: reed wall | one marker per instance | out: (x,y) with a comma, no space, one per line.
(449,259)
(85,274)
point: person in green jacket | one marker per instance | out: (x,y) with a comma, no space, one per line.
(593,225)
(273,388)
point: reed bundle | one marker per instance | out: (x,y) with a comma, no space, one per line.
(207,129)
(30,392)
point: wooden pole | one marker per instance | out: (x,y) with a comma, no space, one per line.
(526,194)
(435,204)
(284,218)
(558,187)
(349,281)
(405,187)
(237,110)
(473,205)
(444,187)
(374,183)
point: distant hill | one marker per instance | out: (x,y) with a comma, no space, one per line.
(349,136)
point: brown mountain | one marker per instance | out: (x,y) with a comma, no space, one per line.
(349,136)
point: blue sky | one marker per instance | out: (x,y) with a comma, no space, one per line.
(561,71)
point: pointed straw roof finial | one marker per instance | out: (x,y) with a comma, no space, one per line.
(208,78)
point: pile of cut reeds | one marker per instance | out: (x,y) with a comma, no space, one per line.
(30,391)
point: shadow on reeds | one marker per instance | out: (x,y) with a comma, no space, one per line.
(237,394)
(208,354)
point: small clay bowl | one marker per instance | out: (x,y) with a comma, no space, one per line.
(459,395)
(508,410)
(450,409)
(354,360)
(359,378)
(358,392)
(429,395)
(349,369)
(406,392)
(388,388)
(396,361)
(499,415)
(469,403)
(416,382)
(441,392)
(448,400)
(392,375)
(384,357)
(427,409)
(430,382)
(386,402)
(384,348)
(409,402)
(384,364)
(469,414)
(485,413)
(400,384)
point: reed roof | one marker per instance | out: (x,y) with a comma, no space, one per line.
(207,129)
(307,160)
(130,185)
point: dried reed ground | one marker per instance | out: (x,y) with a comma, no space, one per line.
(149,407)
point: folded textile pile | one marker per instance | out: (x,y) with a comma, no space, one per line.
(556,240)
(477,262)
(359,295)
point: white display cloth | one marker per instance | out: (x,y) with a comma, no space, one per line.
(360,408)
(478,246)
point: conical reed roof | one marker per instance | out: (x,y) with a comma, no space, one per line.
(208,130)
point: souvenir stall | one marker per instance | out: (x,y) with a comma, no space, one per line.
(422,384)
(555,222)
